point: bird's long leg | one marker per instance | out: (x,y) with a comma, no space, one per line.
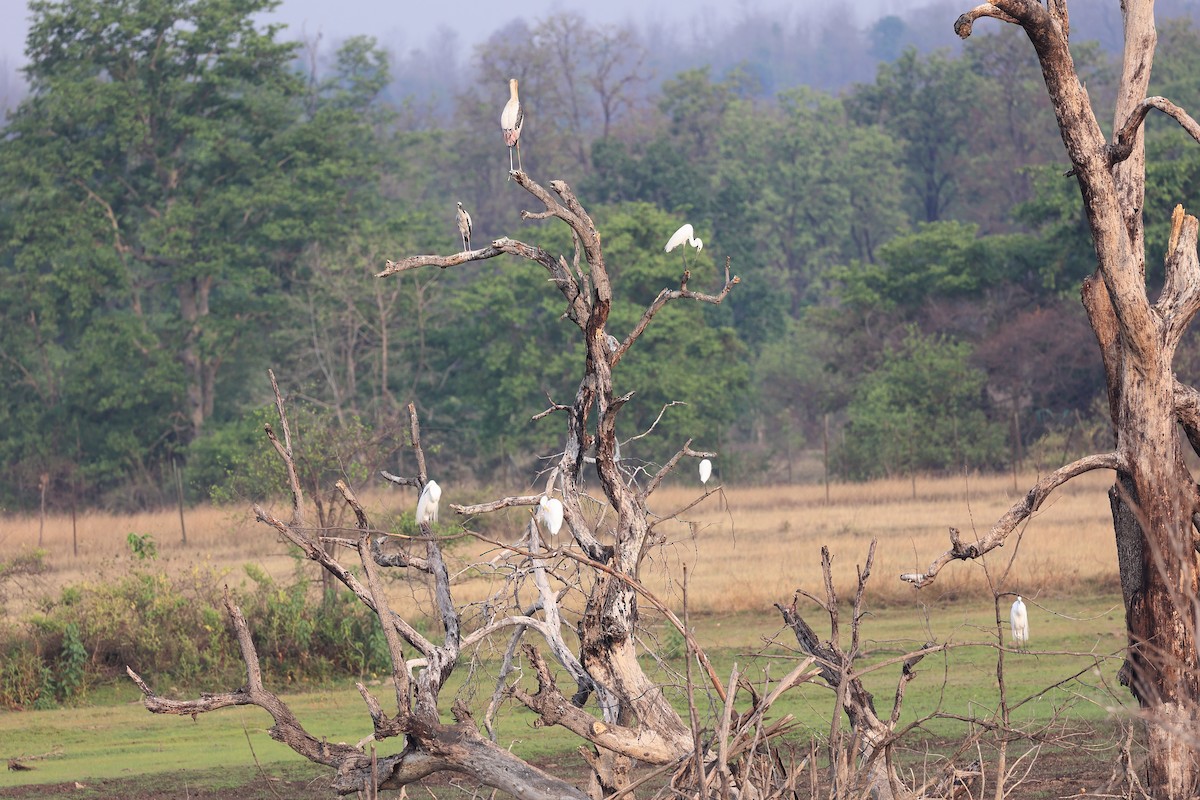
(519,166)
(510,161)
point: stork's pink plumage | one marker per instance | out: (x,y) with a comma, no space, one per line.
(511,120)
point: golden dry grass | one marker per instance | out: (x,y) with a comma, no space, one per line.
(745,548)
(765,542)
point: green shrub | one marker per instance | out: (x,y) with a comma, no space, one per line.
(25,681)
(142,546)
(923,409)
(175,629)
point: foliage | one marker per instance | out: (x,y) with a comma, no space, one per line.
(175,218)
(922,409)
(142,546)
(939,259)
(924,102)
(158,182)
(176,628)
(326,448)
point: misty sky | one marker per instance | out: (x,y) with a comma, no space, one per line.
(402,25)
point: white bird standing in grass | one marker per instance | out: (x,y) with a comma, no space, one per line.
(1018,618)
(705,470)
(464,226)
(427,506)
(684,234)
(511,120)
(551,513)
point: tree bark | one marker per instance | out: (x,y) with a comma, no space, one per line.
(200,371)
(1154,497)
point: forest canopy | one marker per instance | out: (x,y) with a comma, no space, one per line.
(188,199)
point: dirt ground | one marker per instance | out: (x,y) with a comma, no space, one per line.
(1085,771)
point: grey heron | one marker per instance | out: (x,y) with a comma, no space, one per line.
(464,226)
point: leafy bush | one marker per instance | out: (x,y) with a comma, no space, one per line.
(923,409)
(175,629)
(142,546)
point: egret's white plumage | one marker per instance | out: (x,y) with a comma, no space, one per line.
(427,506)
(511,120)
(705,470)
(551,513)
(684,234)
(464,226)
(1018,618)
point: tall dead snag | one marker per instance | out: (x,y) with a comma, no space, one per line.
(614,706)
(1155,496)
(638,721)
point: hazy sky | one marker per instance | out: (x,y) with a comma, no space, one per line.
(404,24)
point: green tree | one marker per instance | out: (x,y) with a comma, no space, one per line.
(827,190)
(510,349)
(159,181)
(924,101)
(922,409)
(940,259)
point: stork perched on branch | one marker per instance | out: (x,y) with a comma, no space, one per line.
(511,120)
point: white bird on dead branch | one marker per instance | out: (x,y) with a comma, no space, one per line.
(511,120)
(705,470)
(684,234)
(427,506)
(1018,619)
(551,513)
(464,226)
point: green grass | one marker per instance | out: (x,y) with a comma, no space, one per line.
(120,739)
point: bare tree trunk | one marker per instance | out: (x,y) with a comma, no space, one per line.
(200,370)
(1155,497)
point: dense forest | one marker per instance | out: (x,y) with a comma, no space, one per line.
(187,200)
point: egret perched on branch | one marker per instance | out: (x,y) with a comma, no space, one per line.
(511,120)
(705,470)
(464,226)
(1019,620)
(551,513)
(684,234)
(427,506)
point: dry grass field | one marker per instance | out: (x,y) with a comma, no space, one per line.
(745,547)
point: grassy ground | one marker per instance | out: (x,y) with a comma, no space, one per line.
(121,740)
(745,549)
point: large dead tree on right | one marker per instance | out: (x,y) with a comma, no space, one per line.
(1155,499)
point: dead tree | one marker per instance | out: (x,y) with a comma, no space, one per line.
(633,719)
(861,763)
(638,720)
(1155,498)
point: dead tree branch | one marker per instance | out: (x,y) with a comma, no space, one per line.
(1123,139)
(1021,511)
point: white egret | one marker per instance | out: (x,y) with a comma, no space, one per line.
(464,226)
(684,234)
(551,513)
(511,120)
(427,506)
(705,470)
(1019,620)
